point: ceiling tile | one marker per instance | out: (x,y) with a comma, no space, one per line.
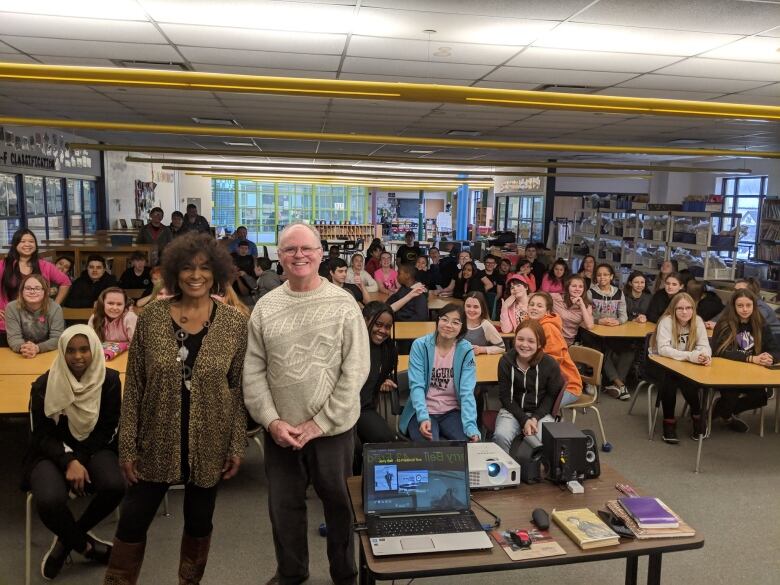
(542,9)
(17,58)
(590,60)
(261,59)
(402,79)
(254,40)
(82,61)
(558,76)
(718,16)
(767,90)
(30,25)
(723,69)
(658,93)
(449,27)
(289,16)
(678,83)
(765,49)
(115,9)
(594,37)
(106,50)
(414,68)
(505,84)
(269,71)
(759,100)
(411,50)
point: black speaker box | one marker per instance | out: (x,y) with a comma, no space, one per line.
(564,448)
(592,467)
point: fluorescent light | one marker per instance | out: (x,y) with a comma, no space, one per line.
(416,151)
(115,9)
(215,121)
(247,144)
(154,65)
(464,133)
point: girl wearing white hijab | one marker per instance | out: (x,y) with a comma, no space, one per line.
(74,414)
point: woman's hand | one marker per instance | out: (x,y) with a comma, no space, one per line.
(77,477)
(530,427)
(704,359)
(609,321)
(763,359)
(230,469)
(425,429)
(641,318)
(130,471)
(474,438)
(478,349)
(29,349)
(388,386)
(709,324)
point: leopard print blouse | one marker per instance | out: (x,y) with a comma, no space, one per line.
(149,428)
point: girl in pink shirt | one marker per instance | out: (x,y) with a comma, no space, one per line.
(552,281)
(113,321)
(386,277)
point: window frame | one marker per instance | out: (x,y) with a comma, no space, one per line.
(730,191)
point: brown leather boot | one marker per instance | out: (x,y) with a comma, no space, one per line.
(193,557)
(125,562)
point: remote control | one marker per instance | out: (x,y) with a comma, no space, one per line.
(540,519)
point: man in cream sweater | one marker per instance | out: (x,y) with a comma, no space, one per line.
(307,359)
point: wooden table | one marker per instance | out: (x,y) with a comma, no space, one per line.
(631,330)
(514,507)
(376,296)
(722,373)
(487,367)
(435,302)
(415,329)
(19,373)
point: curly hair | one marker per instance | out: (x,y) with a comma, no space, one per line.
(184,249)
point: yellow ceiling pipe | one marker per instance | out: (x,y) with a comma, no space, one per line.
(374,90)
(254,152)
(225,167)
(373,138)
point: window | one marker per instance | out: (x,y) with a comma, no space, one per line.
(743,195)
(82,206)
(9,208)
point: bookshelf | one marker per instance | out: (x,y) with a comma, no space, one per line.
(347,231)
(768,249)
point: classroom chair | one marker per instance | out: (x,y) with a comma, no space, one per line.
(391,404)
(645,382)
(592,359)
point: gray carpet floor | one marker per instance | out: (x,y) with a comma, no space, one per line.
(734,502)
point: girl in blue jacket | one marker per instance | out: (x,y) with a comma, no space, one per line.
(442,377)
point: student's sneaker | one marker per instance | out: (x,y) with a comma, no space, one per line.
(612,390)
(589,389)
(54,559)
(100,550)
(623,393)
(737,425)
(699,428)
(670,433)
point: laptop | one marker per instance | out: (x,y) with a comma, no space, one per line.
(416,499)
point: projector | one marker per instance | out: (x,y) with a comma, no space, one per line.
(490,467)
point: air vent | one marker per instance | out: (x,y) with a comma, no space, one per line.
(215,121)
(567,88)
(163,65)
(241,144)
(685,141)
(464,133)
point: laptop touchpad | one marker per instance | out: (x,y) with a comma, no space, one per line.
(417,543)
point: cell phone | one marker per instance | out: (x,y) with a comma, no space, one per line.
(616,524)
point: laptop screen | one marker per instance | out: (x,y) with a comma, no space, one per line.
(415,477)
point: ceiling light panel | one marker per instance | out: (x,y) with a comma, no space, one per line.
(254,40)
(411,50)
(723,69)
(590,60)
(115,9)
(594,37)
(283,16)
(410,24)
(30,25)
(558,76)
(107,50)
(261,58)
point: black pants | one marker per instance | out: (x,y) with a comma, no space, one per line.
(667,395)
(50,493)
(325,463)
(735,400)
(370,428)
(143,499)
(3,339)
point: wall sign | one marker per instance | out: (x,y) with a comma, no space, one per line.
(41,148)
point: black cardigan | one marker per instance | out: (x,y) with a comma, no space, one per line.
(83,292)
(658,304)
(48,439)
(525,402)
(733,352)
(388,362)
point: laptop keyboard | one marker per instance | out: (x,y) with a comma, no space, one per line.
(384,527)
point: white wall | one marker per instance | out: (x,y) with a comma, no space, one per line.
(587,185)
(120,179)
(194,186)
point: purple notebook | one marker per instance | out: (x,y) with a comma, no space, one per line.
(649,512)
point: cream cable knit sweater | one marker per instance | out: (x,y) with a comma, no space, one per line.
(308,357)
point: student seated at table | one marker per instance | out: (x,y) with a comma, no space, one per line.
(64,264)
(667,267)
(371,427)
(660,299)
(333,254)
(337,271)
(514,308)
(609,308)
(680,335)
(423,277)
(524,272)
(267,279)
(742,335)
(137,276)
(505,269)
(374,255)
(74,414)
(481,333)
(708,304)
(469,280)
(529,382)
(540,308)
(767,312)
(637,297)
(492,273)
(442,378)
(573,307)
(410,302)
(386,278)
(93,281)
(113,321)
(357,275)
(586,270)
(158,288)
(33,321)
(553,280)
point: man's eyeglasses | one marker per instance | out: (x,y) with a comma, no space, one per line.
(305,250)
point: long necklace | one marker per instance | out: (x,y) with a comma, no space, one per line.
(181,336)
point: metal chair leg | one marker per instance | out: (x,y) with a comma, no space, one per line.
(165,505)
(259,444)
(761,422)
(639,387)
(650,417)
(28,538)
(601,425)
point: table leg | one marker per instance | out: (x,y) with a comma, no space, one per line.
(707,413)
(654,569)
(631,567)
(364,575)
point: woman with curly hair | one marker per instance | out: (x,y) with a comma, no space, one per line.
(183,385)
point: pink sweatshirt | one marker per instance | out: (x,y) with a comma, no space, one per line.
(48,271)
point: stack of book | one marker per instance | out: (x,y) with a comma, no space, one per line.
(649,518)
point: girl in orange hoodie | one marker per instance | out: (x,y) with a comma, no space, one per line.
(540,308)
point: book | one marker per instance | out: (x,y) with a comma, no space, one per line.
(542,545)
(585,528)
(648,512)
(683,530)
